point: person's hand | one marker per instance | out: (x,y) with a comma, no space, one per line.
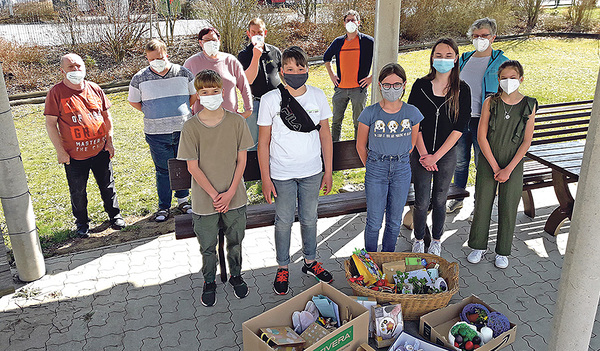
(327,183)
(222,201)
(63,157)
(108,146)
(503,175)
(268,188)
(428,162)
(334,79)
(246,113)
(365,82)
(258,50)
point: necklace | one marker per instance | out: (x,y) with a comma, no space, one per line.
(507,114)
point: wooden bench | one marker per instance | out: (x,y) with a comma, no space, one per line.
(6,278)
(554,123)
(345,157)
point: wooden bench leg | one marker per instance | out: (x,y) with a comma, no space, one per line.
(565,207)
(528,205)
(221,254)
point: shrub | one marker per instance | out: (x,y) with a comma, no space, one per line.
(34,12)
(124,31)
(531,10)
(231,18)
(579,14)
(169,11)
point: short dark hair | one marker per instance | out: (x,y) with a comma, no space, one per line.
(207,30)
(392,68)
(352,13)
(207,78)
(294,53)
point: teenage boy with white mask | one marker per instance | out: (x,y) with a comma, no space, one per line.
(163,92)
(214,143)
(479,69)
(353,52)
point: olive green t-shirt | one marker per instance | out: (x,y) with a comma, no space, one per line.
(215,148)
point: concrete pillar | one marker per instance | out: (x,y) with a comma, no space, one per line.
(14,194)
(579,289)
(387,32)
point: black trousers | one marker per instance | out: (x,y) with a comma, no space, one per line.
(78,172)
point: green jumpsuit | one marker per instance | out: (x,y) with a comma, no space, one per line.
(505,136)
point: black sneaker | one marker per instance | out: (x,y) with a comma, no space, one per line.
(318,271)
(209,294)
(117,222)
(282,281)
(240,288)
(83,231)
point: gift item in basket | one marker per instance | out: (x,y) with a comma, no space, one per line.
(475,314)
(391,268)
(498,323)
(366,266)
(413,306)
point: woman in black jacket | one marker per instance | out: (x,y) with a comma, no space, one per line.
(445,102)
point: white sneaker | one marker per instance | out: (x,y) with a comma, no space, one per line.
(418,246)
(435,248)
(475,256)
(501,261)
(454,205)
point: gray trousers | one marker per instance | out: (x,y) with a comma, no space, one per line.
(340,99)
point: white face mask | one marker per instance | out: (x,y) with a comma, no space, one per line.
(211,102)
(76,77)
(212,47)
(158,65)
(481,44)
(351,27)
(258,40)
(509,85)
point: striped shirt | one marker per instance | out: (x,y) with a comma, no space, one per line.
(165,99)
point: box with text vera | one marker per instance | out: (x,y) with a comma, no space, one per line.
(350,335)
(435,325)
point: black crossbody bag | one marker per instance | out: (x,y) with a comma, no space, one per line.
(293,115)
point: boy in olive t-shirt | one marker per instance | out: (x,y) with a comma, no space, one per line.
(214,144)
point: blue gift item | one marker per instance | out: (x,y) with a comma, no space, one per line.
(475,313)
(498,323)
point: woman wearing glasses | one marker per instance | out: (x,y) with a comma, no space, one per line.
(445,102)
(390,129)
(226,65)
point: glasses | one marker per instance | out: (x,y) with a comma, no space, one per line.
(396,86)
(484,36)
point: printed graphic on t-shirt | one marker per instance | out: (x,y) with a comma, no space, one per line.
(393,129)
(83,130)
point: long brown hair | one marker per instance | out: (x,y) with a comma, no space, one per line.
(453,87)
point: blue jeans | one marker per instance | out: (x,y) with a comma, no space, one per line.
(463,153)
(252,124)
(387,181)
(162,148)
(436,193)
(306,191)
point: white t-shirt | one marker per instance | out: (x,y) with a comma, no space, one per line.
(294,154)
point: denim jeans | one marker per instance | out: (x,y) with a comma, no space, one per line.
(387,180)
(436,194)
(306,191)
(78,172)
(162,148)
(252,124)
(339,100)
(463,153)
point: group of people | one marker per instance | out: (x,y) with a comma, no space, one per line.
(191,113)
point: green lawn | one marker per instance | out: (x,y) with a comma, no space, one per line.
(555,71)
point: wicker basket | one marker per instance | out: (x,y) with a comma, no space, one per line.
(413,306)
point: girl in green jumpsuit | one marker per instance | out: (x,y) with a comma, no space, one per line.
(504,134)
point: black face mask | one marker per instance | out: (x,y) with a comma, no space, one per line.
(295,81)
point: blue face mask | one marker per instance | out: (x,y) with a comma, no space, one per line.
(443,65)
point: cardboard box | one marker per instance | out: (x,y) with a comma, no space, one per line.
(350,335)
(425,346)
(365,347)
(435,325)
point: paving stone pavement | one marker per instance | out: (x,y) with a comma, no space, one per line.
(145,295)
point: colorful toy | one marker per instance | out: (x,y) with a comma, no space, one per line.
(475,314)
(464,337)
